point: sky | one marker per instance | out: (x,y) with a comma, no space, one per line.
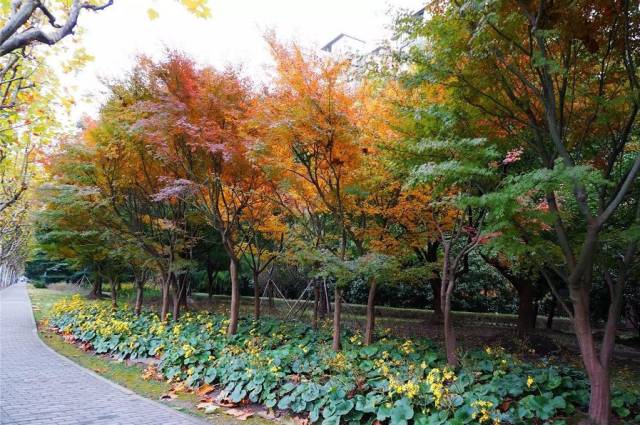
(233,35)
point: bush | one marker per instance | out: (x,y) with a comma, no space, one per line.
(292,367)
(39,284)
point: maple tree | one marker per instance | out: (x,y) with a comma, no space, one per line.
(315,142)
(559,82)
(197,122)
(132,179)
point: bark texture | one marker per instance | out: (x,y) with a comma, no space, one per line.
(235,297)
(371,313)
(337,312)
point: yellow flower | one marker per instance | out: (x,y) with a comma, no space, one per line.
(530,381)
(188,350)
(482,410)
(423,365)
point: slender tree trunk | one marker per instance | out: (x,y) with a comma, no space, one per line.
(337,311)
(165,298)
(371,313)
(324,301)
(209,280)
(256,295)
(449,333)
(270,296)
(235,297)
(175,285)
(183,288)
(526,308)
(600,400)
(114,293)
(96,289)
(139,296)
(316,304)
(552,313)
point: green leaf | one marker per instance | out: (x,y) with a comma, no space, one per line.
(402,411)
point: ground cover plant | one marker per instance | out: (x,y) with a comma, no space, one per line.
(290,366)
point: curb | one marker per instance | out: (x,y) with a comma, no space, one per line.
(91,373)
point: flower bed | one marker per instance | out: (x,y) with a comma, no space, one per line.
(292,367)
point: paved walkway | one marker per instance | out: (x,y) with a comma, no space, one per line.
(38,386)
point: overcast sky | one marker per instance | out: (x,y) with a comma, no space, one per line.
(233,35)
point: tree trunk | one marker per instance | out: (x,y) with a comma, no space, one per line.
(235,297)
(600,400)
(165,298)
(337,311)
(526,308)
(114,294)
(175,284)
(210,280)
(256,295)
(449,333)
(371,313)
(316,304)
(552,313)
(183,288)
(139,295)
(324,301)
(437,304)
(96,289)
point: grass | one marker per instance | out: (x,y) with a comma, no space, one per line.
(122,373)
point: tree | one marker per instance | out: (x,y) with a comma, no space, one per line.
(263,235)
(74,224)
(197,121)
(313,139)
(560,82)
(30,22)
(131,180)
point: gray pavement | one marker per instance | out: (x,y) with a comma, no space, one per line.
(38,386)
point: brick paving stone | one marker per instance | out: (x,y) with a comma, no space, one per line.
(38,386)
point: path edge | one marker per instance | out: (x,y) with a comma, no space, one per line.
(89,372)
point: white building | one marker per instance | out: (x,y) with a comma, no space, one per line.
(345,45)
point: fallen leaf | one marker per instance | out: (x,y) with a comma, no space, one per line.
(204,389)
(240,414)
(180,387)
(151,372)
